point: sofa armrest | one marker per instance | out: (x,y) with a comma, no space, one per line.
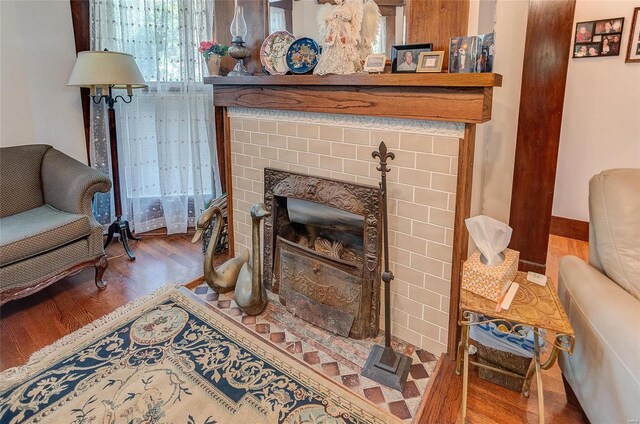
(69,185)
(604,368)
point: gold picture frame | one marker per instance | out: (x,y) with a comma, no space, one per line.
(430,61)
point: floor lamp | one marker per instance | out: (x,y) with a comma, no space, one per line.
(102,72)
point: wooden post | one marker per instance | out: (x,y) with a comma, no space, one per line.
(466,152)
(223,151)
(544,76)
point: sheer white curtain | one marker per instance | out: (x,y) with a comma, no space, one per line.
(166,136)
(277,20)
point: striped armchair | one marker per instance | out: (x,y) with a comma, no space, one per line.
(47,228)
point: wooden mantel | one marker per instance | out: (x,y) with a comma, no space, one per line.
(444,97)
(464,98)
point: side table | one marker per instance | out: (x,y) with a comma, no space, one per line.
(533,306)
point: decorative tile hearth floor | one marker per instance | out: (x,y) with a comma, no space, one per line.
(336,357)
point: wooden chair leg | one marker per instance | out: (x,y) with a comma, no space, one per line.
(101,266)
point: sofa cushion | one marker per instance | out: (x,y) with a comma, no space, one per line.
(614,209)
(37,231)
(20,182)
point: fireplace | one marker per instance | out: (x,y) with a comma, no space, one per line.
(322,250)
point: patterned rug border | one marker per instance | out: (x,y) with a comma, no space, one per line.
(302,371)
(44,357)
(299,364)
(49,355)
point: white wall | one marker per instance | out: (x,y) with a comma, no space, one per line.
(496,139)
(601,120)
(37,53)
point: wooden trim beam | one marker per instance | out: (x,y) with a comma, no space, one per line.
(544,76)
(81,18)
(223,150)
(466,151)
(570,228)
(470,105)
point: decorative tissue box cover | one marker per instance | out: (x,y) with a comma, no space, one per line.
(488,281)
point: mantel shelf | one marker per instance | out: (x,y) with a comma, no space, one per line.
(369,80)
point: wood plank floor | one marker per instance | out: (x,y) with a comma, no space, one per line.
(489,403)
(30,324)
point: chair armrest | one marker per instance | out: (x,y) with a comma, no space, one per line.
(611,312)
(603,370)
(69,185)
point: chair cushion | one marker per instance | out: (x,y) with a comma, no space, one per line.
(614,209)
(20,182)
(37,231)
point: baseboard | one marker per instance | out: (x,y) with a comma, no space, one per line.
(571,228)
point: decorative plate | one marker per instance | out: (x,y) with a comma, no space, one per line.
(302,55)
(274,51)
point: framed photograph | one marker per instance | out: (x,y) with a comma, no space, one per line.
(472,53)
(462,54)
(430,62)
(609,26)
(584,32)
(633,49)
(375,63)
(404,59)
(598,38)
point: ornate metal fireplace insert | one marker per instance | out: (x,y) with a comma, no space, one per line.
(322,250)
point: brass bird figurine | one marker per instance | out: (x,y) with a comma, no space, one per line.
(250,294)
(223,279)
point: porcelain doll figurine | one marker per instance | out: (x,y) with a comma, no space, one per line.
(347,32)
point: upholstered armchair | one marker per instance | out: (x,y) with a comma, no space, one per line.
(602,299)
(47,228)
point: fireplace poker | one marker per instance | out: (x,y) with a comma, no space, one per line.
(385,365)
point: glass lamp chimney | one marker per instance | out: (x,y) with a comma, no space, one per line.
(238,25)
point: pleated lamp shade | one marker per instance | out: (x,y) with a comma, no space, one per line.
(105,68)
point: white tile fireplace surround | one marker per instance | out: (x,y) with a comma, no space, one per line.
(421,195)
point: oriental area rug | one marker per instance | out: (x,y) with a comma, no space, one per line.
(172,358)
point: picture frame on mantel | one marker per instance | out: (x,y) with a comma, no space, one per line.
(633,48)
(430,61)
(404,59)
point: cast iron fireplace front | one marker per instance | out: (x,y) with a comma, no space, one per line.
(322,250)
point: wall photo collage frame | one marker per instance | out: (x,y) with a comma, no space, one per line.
(598,38)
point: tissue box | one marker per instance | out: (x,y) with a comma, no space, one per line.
(488,281)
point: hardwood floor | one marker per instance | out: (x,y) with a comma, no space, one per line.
(32,323)
(29,324)
(489,403)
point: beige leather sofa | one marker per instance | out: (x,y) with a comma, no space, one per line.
(602,299)
(47,228)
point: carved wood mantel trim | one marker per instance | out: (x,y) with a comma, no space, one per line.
(441,97)
(465,98)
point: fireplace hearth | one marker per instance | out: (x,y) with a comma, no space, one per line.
(322,250)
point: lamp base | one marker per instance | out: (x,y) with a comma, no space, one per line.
(120,227)
(387,367)
(239,70)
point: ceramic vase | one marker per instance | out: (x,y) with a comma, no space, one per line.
(214,65)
